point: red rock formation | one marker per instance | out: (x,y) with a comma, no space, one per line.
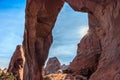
(86,61)
(52,66)
(40,19)
(98,52)
(104,18)
(17,63)
(4,70)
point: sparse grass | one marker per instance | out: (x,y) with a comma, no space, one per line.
(47,78)
(55,77)
(7,76)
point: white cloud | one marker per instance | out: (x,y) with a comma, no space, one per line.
(83,30)
(63,50)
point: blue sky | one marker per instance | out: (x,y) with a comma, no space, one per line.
(67,32)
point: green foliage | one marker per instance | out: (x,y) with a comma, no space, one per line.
(7,76)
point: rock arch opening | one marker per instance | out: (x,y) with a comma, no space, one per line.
(38,39)
(69,29)
(99,51)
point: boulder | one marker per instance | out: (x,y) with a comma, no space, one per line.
(5,70)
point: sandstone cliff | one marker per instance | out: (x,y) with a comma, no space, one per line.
(40,19)
(17,63)
(101,53)
(98,56)
(88,53)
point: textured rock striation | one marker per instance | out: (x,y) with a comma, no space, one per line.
(88,53)
(40,19)
(98,56)
(52,66)
(101,51)
(17,63)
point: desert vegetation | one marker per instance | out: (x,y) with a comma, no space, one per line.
(4,75)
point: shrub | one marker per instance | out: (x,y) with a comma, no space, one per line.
(7,76)
(47,78)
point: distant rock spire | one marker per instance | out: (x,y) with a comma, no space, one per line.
(17,63)
(52,66)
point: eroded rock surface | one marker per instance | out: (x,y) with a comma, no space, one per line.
(52,66)
(98,56)
(104,18)
(17,63)
(86,61)
(40,19)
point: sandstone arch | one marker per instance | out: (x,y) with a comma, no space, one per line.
(104,17)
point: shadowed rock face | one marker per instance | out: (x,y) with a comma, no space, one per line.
(40,19)
(104,18)
(88,53)
(17,63)
(52,66)
(98,56)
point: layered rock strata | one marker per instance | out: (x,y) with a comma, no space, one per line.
(104,18)
(40,19)
(98,56)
